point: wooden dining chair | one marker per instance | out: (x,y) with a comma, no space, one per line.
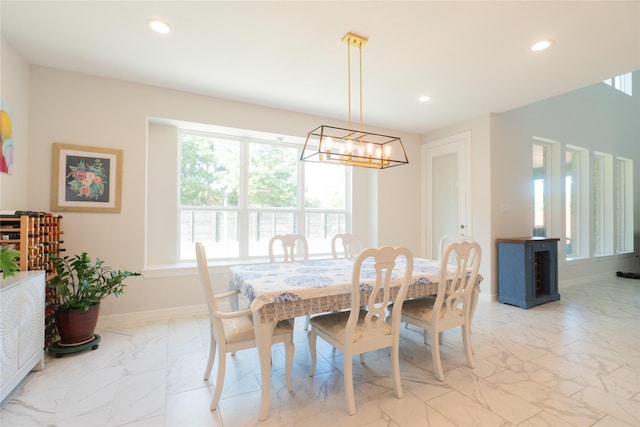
(350,245)
(292,244)
(451,308)
(364,328)
(444,241)
(231,331)
(448,238)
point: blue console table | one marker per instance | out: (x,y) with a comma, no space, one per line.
(527,271)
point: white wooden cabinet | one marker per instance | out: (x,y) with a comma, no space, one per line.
(22,300)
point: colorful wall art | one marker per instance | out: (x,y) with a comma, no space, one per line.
(6,154)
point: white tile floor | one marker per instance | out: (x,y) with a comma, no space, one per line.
(573,362)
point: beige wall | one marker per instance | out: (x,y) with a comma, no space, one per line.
(57,106)
(80,109)
(14,95)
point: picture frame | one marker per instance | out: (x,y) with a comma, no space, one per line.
(85,179)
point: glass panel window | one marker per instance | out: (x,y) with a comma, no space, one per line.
(209,178)
(209,171)
(576,231)
(598,206)
(264,224)
(236,193)
(623,83)
(273,176)
(623,227)
(325,204)
(602,194)
(322,189)
(572,211)
(540,193)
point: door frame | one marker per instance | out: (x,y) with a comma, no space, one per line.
(460,144)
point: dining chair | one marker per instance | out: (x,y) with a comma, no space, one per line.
(451,307)
(444,241)
(364,327)
(350,245)
(442,244)
(231,331)
(448,238)
(291,244)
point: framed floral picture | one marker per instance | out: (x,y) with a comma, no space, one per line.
(85,179)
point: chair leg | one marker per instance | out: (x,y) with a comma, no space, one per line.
(362,358)
(395,367)
(435,355)
(311,336)
(466,342)
(474,304)
(348,383)
(289,350)
(307,323)
(212,357)
(217,391)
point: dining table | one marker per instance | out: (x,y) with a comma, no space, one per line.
(279,291)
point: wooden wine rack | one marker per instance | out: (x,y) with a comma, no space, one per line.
(38,237)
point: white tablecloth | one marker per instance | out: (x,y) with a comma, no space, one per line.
(303,280)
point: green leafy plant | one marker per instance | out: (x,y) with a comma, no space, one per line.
(81,283)
(8,263)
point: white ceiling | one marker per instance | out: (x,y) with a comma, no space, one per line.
(472,58)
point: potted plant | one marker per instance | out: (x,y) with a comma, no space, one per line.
(81,284)
(8,264)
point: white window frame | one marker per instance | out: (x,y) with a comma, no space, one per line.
(602,213)
(580,241)
(300,212)
(623,83)
(623,205)
(552,186)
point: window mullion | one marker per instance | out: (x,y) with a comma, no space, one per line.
(243,230)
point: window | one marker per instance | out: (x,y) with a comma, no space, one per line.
(623,206)
(576,202)
(237,192)
(540,188)
(602,214)
(588,201)
(621,83)
(572,201)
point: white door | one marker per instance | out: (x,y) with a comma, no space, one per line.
(446,203)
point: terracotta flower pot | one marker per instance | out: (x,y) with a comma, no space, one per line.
(77,326)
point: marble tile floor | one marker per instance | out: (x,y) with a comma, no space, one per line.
(575,362)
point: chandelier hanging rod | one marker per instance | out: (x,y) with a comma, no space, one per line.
(329,144)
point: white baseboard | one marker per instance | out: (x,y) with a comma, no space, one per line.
(486,297)
(152,315)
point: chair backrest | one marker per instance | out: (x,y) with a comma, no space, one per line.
(350,245)
(453,303)
(290,246)
(448,238)
(385,259)
(205,280)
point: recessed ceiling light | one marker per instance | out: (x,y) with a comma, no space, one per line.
(159,26)
(424,98)
(541,45)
